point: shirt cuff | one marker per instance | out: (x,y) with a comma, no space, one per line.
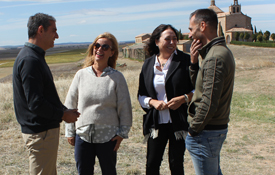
(194,66)
(192,133)
(144,101)
(123,131)
(69,130)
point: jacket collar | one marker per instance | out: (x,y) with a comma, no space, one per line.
(36,48)
(216,41)
(175,62)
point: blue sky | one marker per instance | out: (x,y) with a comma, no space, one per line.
(83,20)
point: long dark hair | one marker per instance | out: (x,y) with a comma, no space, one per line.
(151,47)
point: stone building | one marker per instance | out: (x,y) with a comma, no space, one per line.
(232,21)
(142,37)
(137,50)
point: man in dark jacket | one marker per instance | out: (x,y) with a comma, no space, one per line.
(37,106)
(213,77)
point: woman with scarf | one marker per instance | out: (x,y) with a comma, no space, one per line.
(164,92)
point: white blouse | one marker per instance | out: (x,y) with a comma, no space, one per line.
(159,85)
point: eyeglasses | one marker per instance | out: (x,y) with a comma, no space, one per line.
(104,47)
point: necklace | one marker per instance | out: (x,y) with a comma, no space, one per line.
(162,64)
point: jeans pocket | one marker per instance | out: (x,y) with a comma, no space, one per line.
(215,144)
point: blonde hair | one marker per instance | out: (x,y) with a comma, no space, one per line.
(90,58)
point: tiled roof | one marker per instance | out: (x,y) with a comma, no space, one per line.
(143,34)
(215,8)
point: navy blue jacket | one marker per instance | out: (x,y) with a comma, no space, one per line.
(36,102)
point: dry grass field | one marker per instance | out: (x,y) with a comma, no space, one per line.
(248,150)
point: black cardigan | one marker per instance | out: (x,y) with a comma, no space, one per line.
(177,83)
(36,102)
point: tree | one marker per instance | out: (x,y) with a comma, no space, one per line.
(246,36)
(267,33)
(186,37)
(180,36)
(260,32)
(237,35)
(273,36)
(252,28)
(220,30)
(255,30)
(254,37)
(242,35)
(260,37)
(265,37)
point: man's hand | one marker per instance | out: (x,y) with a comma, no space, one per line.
(71,140)
(70,115)
(176,102)
(158,105)
(118,141)
(194,54)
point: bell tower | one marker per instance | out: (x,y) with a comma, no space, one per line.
(235,8)
(213,2)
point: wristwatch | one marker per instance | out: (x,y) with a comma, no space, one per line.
(186,99)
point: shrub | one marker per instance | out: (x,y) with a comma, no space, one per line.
(257,44)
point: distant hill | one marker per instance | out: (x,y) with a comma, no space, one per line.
(10,52)
(63,44)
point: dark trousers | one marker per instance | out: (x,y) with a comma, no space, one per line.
(85,154)
(156,148)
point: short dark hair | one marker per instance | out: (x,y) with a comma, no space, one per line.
(151,47)
(206,15)
(37,20)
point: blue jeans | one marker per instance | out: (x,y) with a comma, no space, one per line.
(205,151)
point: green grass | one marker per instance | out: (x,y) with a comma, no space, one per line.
(64,57)
(258,107)
(6,63)
(255,44)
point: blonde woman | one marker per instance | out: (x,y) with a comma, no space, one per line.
(101,95)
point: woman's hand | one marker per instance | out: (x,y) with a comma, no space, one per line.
(176,102)
(158,105)
(118,141)
(71,140)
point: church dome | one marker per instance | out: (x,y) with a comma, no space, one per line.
(215,8)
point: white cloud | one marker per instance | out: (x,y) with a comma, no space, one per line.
(94,12)
(42,1)
(259,9)
(128,13)
(38,2)
(91,19)
(157,6)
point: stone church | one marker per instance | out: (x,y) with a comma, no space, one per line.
(233,21)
